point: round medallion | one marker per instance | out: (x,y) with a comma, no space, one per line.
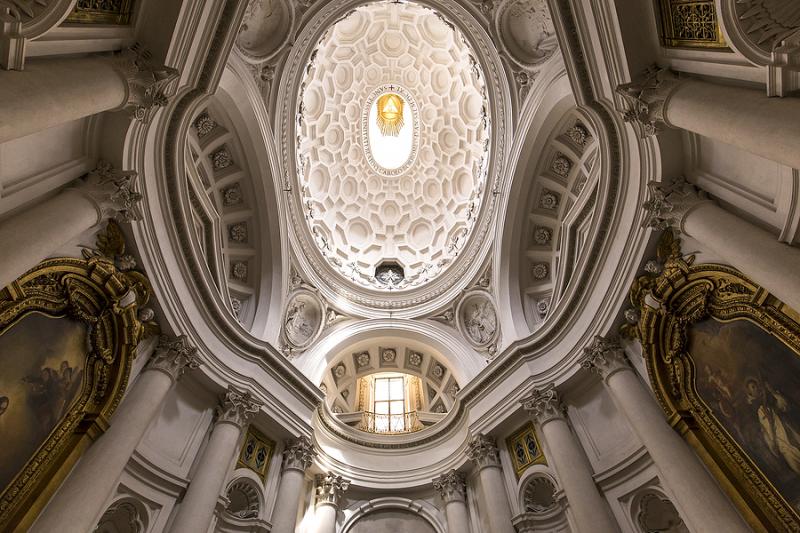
(477,318)
(303,319)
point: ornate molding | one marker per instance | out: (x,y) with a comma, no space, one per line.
(544,405)
(174,356)
(298,455)
(482,450)
(645,99)
(670,204)
(25,20)
(330,489)
(112,192)
(149,86)
(451,486)
(236,407)
(605,356)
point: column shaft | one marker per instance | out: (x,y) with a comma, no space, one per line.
(326,518)
(197,508)
(457,517)
(37,232)
(54,91)
(589,508)
(79,501)
(749,248)
(746,118)
(698,495)
(494,496)
(284,517)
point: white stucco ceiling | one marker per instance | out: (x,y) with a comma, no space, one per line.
(422,217)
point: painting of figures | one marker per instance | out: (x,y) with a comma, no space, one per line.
(42,361)
(751,382)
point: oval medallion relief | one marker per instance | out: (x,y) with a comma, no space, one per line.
(477,319)
(303,319)
(527,31)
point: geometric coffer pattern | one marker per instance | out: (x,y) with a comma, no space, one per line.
(422,218)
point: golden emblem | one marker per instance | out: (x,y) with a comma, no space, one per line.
(390,114)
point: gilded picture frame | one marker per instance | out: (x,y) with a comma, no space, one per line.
(94,293)
(680,307)
(116,12)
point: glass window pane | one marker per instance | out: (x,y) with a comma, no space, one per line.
(382,407)
(397,407)
(396,389)
(381,423)
(381,389)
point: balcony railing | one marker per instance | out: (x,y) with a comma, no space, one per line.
(390,424)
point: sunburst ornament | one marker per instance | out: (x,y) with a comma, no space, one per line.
(390,114)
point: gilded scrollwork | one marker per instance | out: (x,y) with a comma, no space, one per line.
(671,305)
(106,302)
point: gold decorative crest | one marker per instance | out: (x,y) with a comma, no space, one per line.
(723,356)
(76,322)
(390,114)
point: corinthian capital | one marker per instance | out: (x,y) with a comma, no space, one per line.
(604,356)
(174,356)
(482,450)
(544,405)
(451,486)
(112,192)
(298,455)
(669,204)
(149,85)
(330,488)
(645,99)
(236,407)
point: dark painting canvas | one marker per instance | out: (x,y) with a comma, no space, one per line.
(751,382)
(42,362)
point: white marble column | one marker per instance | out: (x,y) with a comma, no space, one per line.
(453,491)
(330,489)
(50,92)
(752,250)
(700,498)
(80,499)
(35,233)
(196,510)
(742,117)
(483,452)
(297,457)
(564,453)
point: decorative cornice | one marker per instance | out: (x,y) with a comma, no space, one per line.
(330,488)
(298,455)
(111,192)
(644,100)
(236,407)
(669,204)
(482,450)
(174,356)
(605,357)
(544,405)
(149,86)
(451,486)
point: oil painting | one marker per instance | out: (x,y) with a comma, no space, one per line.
(42,361)
(751,382)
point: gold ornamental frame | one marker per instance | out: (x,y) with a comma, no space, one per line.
(106,300)
(668,303)
(679,19)
(92,12)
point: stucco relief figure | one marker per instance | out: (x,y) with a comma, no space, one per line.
(302,321)
(480,321)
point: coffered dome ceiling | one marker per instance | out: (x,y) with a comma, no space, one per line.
(400,206)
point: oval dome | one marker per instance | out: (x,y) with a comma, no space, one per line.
(392,145)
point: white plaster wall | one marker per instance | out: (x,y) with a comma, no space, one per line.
(757,189)
(35,165)
(602,430)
